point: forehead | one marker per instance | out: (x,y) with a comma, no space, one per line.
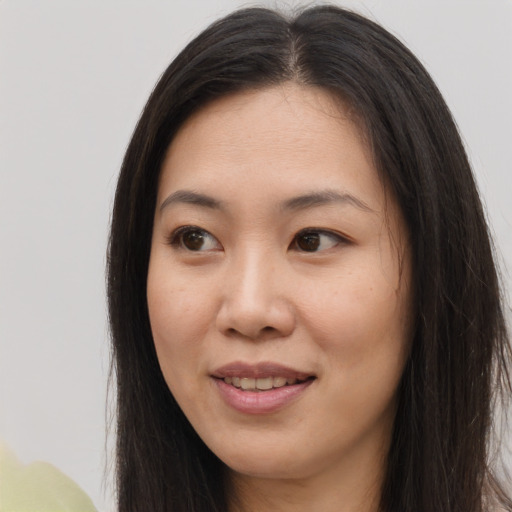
(287,132)
(289,111)
(286,101)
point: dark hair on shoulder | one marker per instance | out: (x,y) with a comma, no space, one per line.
(439,458)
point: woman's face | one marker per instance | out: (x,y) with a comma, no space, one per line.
(279,285)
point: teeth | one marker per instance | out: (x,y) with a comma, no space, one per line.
(279,382)
(264,384)
(247,383)
(261,384)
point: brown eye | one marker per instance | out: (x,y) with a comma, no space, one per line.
(315,241)
(194,239)
(309,242)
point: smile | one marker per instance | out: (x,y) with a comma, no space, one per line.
(261,384)
(261,388)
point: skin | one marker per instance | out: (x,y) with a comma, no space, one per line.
(251,293)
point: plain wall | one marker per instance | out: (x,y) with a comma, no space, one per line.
(74,76)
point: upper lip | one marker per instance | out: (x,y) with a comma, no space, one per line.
(259,371)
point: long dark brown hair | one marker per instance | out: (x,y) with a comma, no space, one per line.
(439,457)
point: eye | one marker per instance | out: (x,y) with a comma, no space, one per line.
(315,240)
(192,238)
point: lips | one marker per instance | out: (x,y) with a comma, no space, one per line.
(262,388)
(259,370)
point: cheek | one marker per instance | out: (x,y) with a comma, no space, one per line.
(361,322)
(352,306)
(364,335)
(180,318)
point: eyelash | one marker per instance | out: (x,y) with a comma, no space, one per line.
(336,237)
(176,238)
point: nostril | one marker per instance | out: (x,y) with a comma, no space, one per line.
(255,320)
(263,333)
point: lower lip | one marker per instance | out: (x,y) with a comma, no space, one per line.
(260,402)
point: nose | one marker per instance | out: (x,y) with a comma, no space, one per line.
(255,300)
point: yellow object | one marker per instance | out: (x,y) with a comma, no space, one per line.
(38,487)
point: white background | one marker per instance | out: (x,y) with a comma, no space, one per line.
(74,76)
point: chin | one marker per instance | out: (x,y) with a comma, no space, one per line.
(269,465)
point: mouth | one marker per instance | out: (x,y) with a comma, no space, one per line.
(262,384)
(261,388)
(261,377)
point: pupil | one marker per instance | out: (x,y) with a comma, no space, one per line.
(309,242)
(193,240)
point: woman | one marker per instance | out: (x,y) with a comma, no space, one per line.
(304,305)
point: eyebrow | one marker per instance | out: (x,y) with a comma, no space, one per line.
(324,197)
(301,202)
(191,197)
